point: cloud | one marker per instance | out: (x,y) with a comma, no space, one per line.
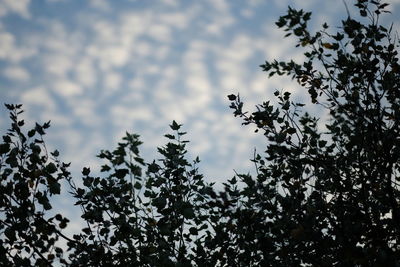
(20,7)
(220,5)
(67,88)
(10,51)
(100,4)
(173,3)
(38,96)
(112,81)
(113,56)
(160,32)
(125,116)
(57,65)
(218,25)
(178,20)
(84,111)
(16,73)
(85,72)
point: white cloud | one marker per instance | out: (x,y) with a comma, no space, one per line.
(218,25)
(112,81)
(85,72)
(241,49)
(163,95)
(142,49)
(114,56)
(160,32)
(137,84)
(134,23)
(170,2)
(20,7)
(258,84)
(105,32)
(151,69)
(170,72)
(176,19)
(220,5)
(199,92)
(100,4)
(57,64)
(247,13)
(172,110)
(38,96)
(10,51)
(16,73)
(199,131)
(67,88)
(84,110)
(125,116)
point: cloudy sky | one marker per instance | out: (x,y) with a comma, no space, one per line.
(98,68)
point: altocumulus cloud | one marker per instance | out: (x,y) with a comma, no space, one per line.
(98,68)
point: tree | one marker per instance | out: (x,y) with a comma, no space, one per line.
(325,193)
(156,219)
(133,220)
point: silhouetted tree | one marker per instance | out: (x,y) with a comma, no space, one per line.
(326,191)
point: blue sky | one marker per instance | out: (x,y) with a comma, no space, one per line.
(98,68)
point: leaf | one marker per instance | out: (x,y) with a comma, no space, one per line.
(31,133)
(121,173)
(232,97)
(188,213)
(10,234)
(9,106)
(105,168)
(175,126)
(193,231)
(63,224)
(138,185)
(55,187)
(51,168)
(170,136)
(39,129)
(55,153)
(159,202)
(46,125)
(291,130)
(322,143)
(80,192)
(153,168)
(328,45)
(7,139)
(4,148)
(85,171)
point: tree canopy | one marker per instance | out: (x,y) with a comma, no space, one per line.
(326,191)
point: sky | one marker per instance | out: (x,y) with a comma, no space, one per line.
(99,68)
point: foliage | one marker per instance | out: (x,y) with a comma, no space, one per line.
(152,220)
(29,176)
(326,195)
(326,192)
